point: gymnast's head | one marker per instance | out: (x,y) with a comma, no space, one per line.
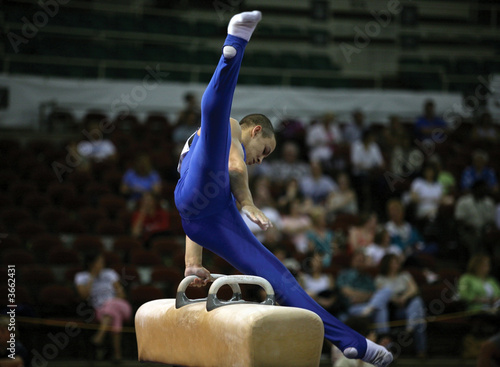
(257,135)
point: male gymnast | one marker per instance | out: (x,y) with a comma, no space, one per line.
(213,170)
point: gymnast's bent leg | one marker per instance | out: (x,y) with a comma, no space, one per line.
(227,235)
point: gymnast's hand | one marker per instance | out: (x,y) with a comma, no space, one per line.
(256,216)
(202,274)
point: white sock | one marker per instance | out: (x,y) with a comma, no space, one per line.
(375,354)
(242,25)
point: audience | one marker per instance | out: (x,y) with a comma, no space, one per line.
(429,123)
(362,235)
(484,132)
(380,247)
(322,137)
(489,355)
(401,232)
(342,200)
(97,148)
(475,215)
(150,220)
(320,285)
(295,224)
(392,135)
(288,167)
(140,179)
(354,130)
(366,165)
(321,239)
(361,296)
(427,194)
(101,287)
(476,287)
(317,186)
(479,171)
(405,299)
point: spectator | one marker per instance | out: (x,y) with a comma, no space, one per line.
(401,232)
(445,178)
(295,224)
(362,235)
(289,167)
(484,132)
(97,149)
(317,186)
(392,135)
(191,107)
(380,247)
(475,215)
(366,161)
(321,239)
(101,287)
(293,193)
(428,122)
(354,131)
(186,127)
(12,351)
(150,220)
(322,137)
(140,179)
(405,297)
(426,193)
(476,287)
(406,160)
(362,326)
(479,171)
(320,286)
(290,263)
(362,297)
(489,356)
(343,200)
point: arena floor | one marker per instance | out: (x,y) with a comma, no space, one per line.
(403,362)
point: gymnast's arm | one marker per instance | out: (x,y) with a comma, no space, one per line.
(193,260)
(238,178)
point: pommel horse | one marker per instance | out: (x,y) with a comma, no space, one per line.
(210,332)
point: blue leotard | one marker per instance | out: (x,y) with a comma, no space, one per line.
(209,213)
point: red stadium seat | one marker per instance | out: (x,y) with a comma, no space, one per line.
(68,225)
(51,215)
(36,202)
(110,228)
(141,294)
(37,275)
(64,256)
(20,188)
(145,258)
(29,228)
(88,243)
(91,216)
(167,246)
(113,204)
(60,192)
(12,216)
(18,257)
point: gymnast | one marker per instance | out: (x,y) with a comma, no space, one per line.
(213,177)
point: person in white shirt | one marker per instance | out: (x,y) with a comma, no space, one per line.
(366,164)
(322,137)
(317,186)
(380,247)
(426,193)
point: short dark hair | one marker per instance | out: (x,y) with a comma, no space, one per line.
(385,263)
(258,119)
